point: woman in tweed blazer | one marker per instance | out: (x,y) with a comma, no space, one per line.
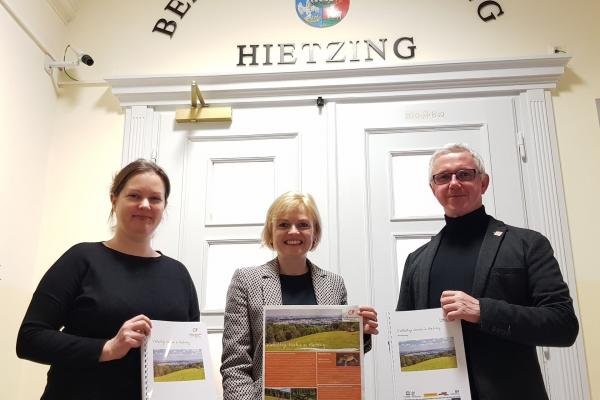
(292,228)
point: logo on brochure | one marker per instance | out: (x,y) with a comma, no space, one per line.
(322,13)
(350,314)
(196,333)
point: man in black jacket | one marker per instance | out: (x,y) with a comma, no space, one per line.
(502,282)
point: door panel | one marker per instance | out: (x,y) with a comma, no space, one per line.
(224,178)
(386,208)
(221,209)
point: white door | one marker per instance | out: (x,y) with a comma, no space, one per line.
(224,177)
(366,165)
(386,207)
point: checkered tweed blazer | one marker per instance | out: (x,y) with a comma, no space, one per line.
(251,289)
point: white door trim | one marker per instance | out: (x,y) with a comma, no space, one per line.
(531,78)
(429,80)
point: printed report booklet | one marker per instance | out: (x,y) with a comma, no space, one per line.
(312,352)
(176,362)
(427,354)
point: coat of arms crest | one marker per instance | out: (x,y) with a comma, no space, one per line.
(322,13)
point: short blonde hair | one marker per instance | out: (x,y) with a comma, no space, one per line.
(291,201)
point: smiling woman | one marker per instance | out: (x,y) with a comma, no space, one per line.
(93,308)
(138,198)
(292,228)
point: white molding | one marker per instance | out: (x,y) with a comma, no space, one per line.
(223,160)
(65,9)
(415,235)
(330,110)
(233,241)
(142,126)
(447,79)
(424,128)
(214,316)
(404,236)
(546,213)
(193,137)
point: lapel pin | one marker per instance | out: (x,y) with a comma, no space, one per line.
(498,233)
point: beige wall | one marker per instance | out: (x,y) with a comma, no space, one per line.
(78,138)
(25,91)
(579,144)
(50,159)
(85,153)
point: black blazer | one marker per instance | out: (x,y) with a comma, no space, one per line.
(524,303)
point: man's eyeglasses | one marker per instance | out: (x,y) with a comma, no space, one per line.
(463,175)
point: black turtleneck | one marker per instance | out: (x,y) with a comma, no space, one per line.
(297,289)
(454,264)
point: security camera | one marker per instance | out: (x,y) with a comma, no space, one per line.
(84,58)
(81,58)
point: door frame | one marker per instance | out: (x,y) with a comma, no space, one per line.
(530,79)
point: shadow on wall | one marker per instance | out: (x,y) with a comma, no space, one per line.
(109,103)
(75,96)
(568,82)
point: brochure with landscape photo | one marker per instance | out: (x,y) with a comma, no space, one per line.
(176,362)
(312,353)
(428,356)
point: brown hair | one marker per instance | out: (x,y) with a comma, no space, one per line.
(139,166)
(286,202)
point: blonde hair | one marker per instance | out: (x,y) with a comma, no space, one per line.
(291,201)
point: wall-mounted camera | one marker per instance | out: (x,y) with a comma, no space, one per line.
(81,57)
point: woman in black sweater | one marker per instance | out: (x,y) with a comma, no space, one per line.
(92,309)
